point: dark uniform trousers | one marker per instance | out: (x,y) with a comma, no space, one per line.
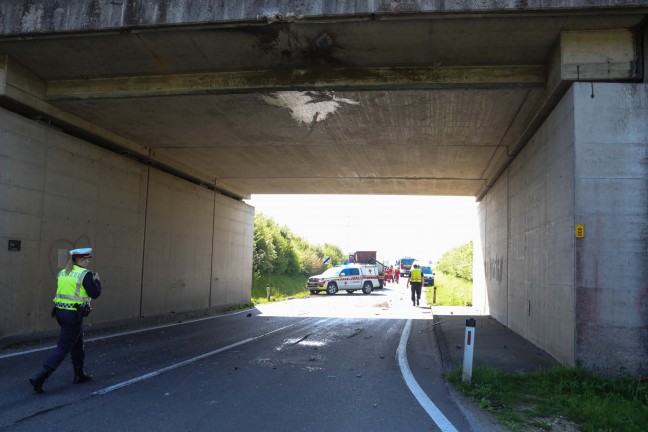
(70,339)
(416,290)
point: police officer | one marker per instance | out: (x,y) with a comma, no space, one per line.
(415,281)
(76,285)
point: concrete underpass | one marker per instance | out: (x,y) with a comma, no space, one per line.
(138,128)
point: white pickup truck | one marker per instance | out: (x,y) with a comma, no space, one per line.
(349,277)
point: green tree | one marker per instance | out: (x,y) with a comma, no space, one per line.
(281,245)
(291,252)
(334,252)
(279,251)
(458,262)
(264,252)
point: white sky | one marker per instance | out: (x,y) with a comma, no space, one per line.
(423,227)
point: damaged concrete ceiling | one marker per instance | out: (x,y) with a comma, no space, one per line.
(427,104)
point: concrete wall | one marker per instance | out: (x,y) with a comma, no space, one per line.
(158,239)
(528,222)
(611,194)
(233,247)
(493,217)
(541,236)
(583,300)
(178,245)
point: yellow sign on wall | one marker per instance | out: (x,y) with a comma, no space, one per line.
(580,230)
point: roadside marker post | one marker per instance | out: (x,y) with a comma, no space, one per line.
(469,346)
(268,292)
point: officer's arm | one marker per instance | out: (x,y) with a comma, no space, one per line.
(92,285)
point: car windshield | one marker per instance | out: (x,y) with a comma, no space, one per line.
(333,271)
(426,270)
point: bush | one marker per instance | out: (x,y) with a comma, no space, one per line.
(458,262)
(278,251)
(451,291)
(282,287)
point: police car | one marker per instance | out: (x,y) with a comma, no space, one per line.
(428,275)
(349,277)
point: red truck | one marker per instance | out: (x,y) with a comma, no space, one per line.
(405,265)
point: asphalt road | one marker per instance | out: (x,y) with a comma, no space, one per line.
(326,363)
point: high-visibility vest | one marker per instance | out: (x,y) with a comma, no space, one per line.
(70,290)
(416,275)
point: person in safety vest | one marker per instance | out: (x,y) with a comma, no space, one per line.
(415,281)
(76,285)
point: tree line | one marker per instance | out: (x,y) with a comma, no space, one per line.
(458,262)
(279,251)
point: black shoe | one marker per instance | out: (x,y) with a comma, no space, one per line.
(80,376)
(417,302)
(39,379)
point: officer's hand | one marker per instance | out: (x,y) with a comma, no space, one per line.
(96,277)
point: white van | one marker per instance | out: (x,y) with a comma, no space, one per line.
(349,277)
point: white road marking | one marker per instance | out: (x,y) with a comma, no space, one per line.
(186,362)
(124,333)
(435,414)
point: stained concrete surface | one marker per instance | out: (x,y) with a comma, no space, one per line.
(495,346)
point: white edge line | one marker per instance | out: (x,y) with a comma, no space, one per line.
(185,362)
(3,356)
(435,414)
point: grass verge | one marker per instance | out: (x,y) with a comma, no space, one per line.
(537,400)
(451,291)
(282,287)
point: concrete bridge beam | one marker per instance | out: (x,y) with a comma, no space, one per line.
(600,55)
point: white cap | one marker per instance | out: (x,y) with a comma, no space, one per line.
(81,253)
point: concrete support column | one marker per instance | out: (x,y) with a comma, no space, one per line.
(611,204)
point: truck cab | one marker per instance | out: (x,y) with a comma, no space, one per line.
(348,277)
(405,265)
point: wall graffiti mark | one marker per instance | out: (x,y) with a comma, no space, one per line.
(495,269)
(64,244)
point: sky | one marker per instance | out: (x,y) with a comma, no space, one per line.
(422,227)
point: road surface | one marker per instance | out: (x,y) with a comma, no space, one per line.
(325,363)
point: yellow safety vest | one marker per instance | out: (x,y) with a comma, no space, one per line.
(416,275)
(70,290)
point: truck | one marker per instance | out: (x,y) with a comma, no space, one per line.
(405,265)
(363,257)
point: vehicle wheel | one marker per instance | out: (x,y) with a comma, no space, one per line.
(331,288)
(315,292)
(367,287)
(349,291)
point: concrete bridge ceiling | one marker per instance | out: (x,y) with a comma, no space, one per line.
(433,104)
